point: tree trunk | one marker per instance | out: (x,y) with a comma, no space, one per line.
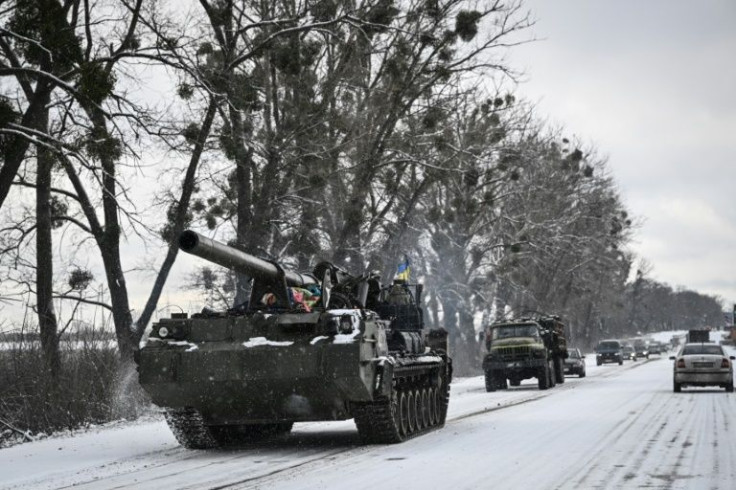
(44,257)
(108,241)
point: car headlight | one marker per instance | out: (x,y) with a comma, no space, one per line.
(163,332)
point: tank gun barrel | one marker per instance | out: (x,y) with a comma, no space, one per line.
(232,258)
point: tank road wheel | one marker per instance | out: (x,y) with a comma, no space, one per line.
(432,406)
(412,419)
(189,428)
(418,410)
(425,408)
(490,383)
(396,413)
(543,378)
(404,414)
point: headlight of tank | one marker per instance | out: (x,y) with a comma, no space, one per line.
(346,324)
(171,331)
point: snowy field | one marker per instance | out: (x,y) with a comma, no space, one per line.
(620,427)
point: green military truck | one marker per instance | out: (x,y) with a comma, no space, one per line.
(525,348)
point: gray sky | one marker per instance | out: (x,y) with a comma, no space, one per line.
(653,85)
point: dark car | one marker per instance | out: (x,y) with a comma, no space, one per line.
(609,351)
(575,363)
(701,364)
(628,350)
(641,347)
(656,348)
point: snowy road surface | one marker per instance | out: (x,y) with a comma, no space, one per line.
(620,427)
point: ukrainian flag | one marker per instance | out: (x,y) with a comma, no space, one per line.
(404,269)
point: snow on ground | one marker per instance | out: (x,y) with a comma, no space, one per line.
(621,426)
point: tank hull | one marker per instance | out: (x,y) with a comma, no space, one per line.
(265,369)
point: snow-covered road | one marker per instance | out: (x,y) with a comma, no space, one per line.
(620,427)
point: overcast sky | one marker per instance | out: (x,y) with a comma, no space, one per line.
(652,84)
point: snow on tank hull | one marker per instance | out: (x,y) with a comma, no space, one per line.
(231,371)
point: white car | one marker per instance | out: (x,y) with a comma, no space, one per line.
(703,364)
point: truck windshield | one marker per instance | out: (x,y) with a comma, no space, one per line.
(509,331)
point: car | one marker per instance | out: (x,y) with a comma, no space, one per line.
(641,347)
(657,348)
(609,351)
(701,364)
(628,351)
(575,363)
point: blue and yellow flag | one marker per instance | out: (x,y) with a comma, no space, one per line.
(404,269)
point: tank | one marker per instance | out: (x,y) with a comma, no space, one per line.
(317,346)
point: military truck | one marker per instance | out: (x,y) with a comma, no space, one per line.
(305,347)
(698,335)
(525,348)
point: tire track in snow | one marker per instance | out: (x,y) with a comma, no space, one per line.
(224,468)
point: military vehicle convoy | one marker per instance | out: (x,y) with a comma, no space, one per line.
(525,348)
(306,347)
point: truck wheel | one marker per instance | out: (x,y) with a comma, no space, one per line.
(729,387)
(552,378)
(559,370)
(677,387)
(582,373)
(514,381)
(543,378)
(598,363)
(490,383)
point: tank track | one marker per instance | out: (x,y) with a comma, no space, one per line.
(190,429)
(188,426)
(416,406)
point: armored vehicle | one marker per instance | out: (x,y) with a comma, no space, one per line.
(525,348)
(306,347)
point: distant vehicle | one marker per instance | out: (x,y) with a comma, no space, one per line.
(656,348)
(698,335)
(730,336)
(609,351)
(641,347)
(703,364)
(629,353)
(575,363)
